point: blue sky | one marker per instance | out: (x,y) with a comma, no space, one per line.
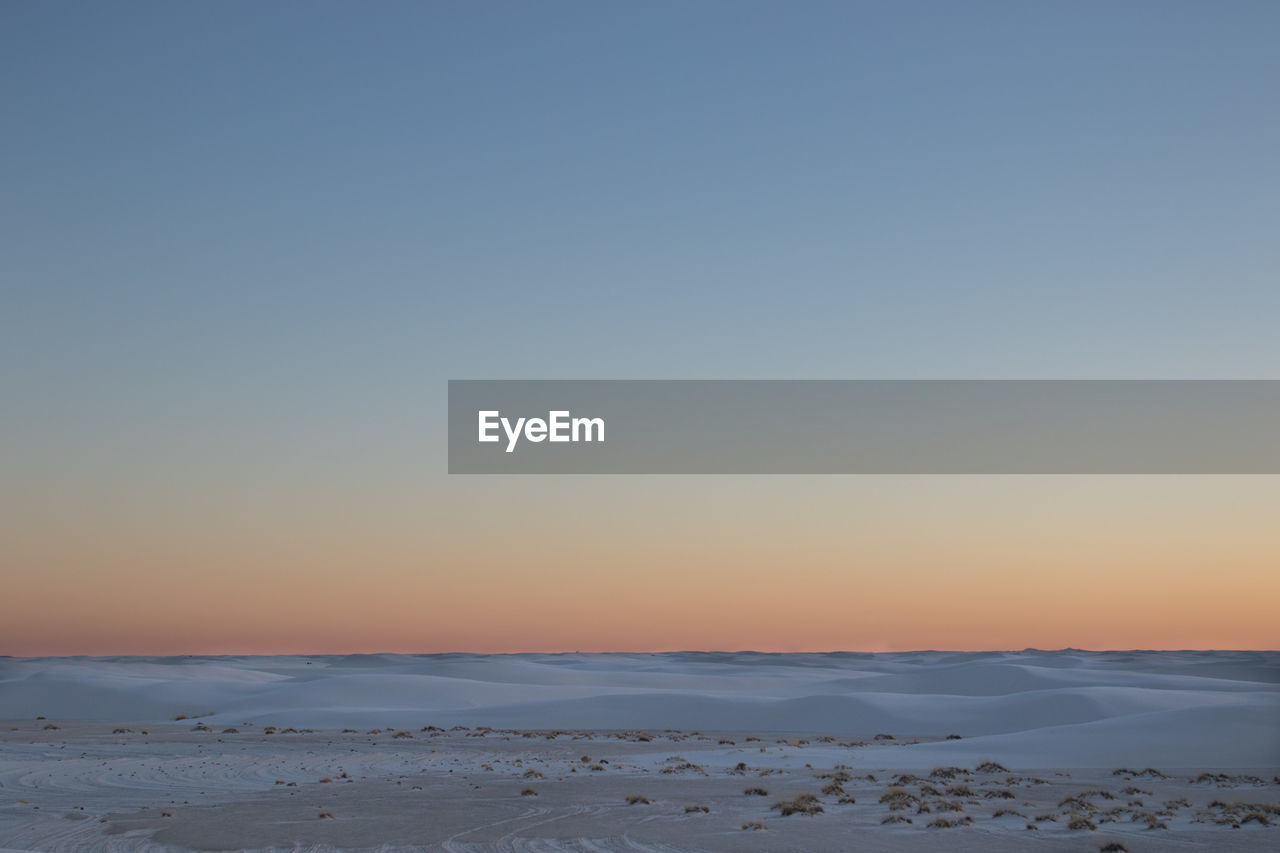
(405,192)
(244,245)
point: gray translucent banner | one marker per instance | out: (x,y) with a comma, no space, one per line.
(864,427)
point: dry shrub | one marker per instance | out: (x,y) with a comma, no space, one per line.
(805,804)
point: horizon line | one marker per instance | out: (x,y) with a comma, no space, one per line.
(1065,649)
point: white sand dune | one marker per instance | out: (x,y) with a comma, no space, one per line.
(92,757)
(1061,709)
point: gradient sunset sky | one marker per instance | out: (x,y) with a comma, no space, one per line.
(244,245)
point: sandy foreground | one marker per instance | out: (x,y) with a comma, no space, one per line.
(670,752)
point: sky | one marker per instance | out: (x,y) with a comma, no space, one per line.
(243,247)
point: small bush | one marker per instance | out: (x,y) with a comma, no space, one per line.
(805,804)
(756,792)
(754,825)
(528,792)
(637,800)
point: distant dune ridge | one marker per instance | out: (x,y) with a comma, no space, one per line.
(1032,708)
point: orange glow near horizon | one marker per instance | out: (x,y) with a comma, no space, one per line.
(657,564)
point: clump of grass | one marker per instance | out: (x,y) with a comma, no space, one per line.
(947,772)
(754,825)
(846,800)
(756,792)
(533,774)
(697,808)
(805,804)
(884,737)
(1077,802)
(959,791)
(230,731)
(528,792)
(50,727)
(899,798)
(953,737)
(1113,847)
(991,767)
(403,734)
(121,731)
(325,816)
(637,800)
(178,717)
(999,794)
(1080,822)
(947,823)
(833,789)
(685,767)
(166,813)
(895,818)
(1010,812)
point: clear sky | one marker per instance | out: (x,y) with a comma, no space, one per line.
(244,245)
